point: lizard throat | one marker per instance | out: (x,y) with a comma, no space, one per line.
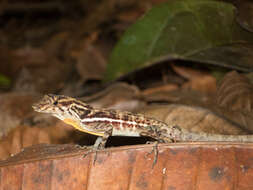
(78,127)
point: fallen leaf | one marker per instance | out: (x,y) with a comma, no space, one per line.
(14,108)
(245,14)
(91,63)
(160,35)
(25,136)
(198,80)
(193,118)
(120,95)
(235,92)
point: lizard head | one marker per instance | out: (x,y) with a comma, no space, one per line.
(60,106)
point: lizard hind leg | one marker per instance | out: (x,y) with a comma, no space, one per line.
(155,151)
(99,144)
(151,131)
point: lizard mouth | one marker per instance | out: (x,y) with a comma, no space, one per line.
(43,105)
(35,107)
(38,107)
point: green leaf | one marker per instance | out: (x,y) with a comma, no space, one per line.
(4,81)
(176,29)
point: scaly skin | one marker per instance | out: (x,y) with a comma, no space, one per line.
(105,122)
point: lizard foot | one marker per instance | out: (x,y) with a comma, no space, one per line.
(155,151)
(99,145)
(92,150)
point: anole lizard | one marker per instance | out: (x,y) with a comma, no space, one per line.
(105,123)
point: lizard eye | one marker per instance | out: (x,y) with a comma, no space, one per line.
(55,102)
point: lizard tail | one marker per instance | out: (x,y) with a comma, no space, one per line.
(179,134)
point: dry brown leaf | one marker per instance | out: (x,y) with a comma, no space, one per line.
(91,63)
(205,84)
(155,91)
(14,108)
(235,92)
(58,45)
(245,14)
(8,66)
(191,166)
(234,98)
(24,82)
(198,80)
(193,118)
(188,97)
(102,12)
(121,96)
(194,98)
(244,119)
(129,15)
(44,72)
(25,136)
(51,76)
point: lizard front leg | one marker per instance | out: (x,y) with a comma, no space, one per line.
(101,141)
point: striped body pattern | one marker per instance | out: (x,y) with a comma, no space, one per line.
(124,123)
(98,121)
(105,123)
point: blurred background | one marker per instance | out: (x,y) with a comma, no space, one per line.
(182,62)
